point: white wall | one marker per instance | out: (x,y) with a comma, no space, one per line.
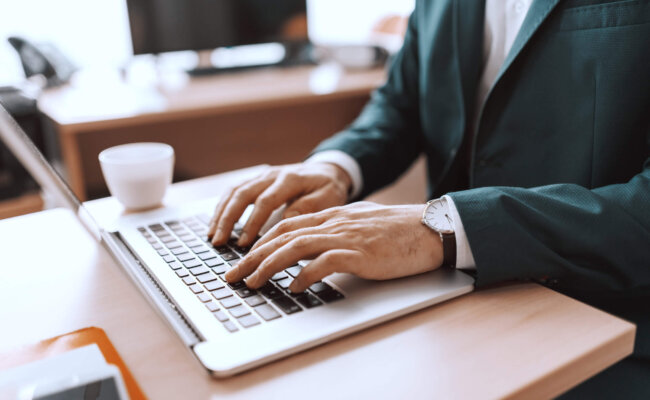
(350,21)
(95,33)
(90,32)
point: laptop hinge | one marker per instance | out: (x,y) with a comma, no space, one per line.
(151,288)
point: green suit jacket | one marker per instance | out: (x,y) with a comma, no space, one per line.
(554,183)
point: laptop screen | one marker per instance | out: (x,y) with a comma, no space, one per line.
(50,181)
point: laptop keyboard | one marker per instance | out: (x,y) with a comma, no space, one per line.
(184,246)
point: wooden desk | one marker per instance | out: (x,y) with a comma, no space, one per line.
(215,124)
(518,341)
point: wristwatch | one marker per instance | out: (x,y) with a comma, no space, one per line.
(437,217)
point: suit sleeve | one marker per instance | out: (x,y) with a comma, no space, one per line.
(385,138)
(579,239)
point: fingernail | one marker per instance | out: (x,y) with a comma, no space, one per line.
(294,287)
(243,239)
(230,275)
(291,214)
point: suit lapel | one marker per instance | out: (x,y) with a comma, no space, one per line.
(469,20)
(538,12)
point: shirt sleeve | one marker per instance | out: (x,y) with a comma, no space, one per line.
(347,163)
(464,256)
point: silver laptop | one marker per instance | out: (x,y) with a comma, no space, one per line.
(231,328)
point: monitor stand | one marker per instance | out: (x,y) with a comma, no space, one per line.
(247,57)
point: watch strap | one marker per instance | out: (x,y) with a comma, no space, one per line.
(448,249)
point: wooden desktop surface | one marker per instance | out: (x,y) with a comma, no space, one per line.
(513,341)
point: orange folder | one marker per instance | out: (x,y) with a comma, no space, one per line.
(70,341)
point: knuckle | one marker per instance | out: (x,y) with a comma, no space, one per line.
(300,242)
(282,227)
(266,201)
(285,237)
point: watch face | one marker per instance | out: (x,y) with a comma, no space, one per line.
(437,216)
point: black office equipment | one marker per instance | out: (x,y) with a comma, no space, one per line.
(43,59)
(159,26)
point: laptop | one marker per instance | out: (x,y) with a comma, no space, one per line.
(229,327)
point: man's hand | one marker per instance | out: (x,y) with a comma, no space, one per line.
(306,188)
(365,239)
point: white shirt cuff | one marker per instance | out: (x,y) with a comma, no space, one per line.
(464,256)
(347,163)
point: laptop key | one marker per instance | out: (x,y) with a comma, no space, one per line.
(194,243)
(213,285)
(207,256)
(232,263)
(179,250)
(196,289)
(221,293)
(222,249)
(284,283)
(255,300)
(193,263)
(207,277)
(182,273)
(229,256)
(186,237)
(175,265)
(294,271)
(188,280)
(200,250)
(204,297)
(199,271)
(221,316)
(212,306)
(239,311)
(246,292)
(169,258)
(230,326)
(229,302)
(308,301)
(279,275)
(237,285)
(167,239)
(174,245)
(319,287)
(287,305)
(267,312)
(213,262)
(330,296)
(270,292)
(163,252)
(248,320)
(185,257)
(220,269)
(157,246)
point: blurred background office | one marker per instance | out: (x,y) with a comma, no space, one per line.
(222,81)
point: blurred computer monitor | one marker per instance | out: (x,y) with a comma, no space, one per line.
(159,26)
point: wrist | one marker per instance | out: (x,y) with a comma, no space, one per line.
(431,241)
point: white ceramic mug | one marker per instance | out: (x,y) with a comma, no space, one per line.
(138,174)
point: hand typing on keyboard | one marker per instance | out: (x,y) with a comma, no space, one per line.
(304,188)
(366,239)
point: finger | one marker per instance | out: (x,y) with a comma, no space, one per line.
(257,255)
(303,247)
(289,225)
(324,265)
(313,202)
(219,209)
(236,206)
(282,190)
